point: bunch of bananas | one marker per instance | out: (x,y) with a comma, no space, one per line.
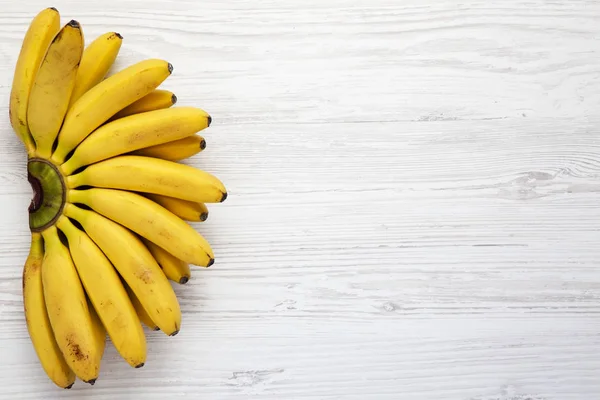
(109,217)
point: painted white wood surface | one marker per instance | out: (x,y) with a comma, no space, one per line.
(414,200)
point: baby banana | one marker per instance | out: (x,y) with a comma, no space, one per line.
(139,309)
(186,210)
(68,310)
(36,316)
(155,100)
(42,30)
(175,269)
(52,88)
(96,60)
(151,175)
(99,332)
(176,150)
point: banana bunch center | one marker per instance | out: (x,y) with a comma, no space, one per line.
(49,193)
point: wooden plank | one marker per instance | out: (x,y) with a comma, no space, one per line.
(413,209)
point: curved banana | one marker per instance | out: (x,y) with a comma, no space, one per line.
(135,132)
(149,220)
(152,175)
(135,264)
(174,269)
(186,210)
(105,291)
(139,309)
(155,100)
(102,101)
(176,150)
(96,60)
(38,324)
(68,310)
(40,33)
(52,88)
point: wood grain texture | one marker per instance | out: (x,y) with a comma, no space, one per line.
(413,209)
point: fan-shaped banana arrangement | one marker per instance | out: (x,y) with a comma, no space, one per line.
(110,218)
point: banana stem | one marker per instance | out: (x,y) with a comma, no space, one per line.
(49,194)
(38,193)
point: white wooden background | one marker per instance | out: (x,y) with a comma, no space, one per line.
(414,207)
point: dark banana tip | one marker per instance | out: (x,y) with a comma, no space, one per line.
(210,262)
(209,120)
(74,24)
(202,144)
(174,333)
(203,216)
(119,35)
(170,67)
(173,99)
(139,365)
(184,280)
(156,329)
(224,197)
(54,8)
(71,385)
(92,381)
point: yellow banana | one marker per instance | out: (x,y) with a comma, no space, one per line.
(135,132)
(105,291)
(155,100)
(96,60)
(52,87)
(139,309)
(174,269)
(175,150)
(152,175)
(186,210)
(68,310)
(99,331)
(102,101)
(40,33)
(135,264)
(149,220)
(38,324)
